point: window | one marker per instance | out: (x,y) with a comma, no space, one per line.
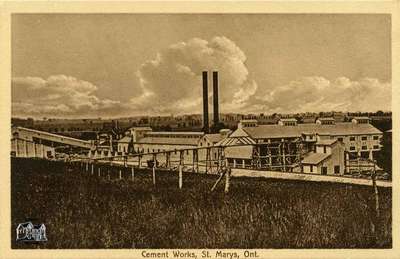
(364,138)
(324,170)
(337,169)
(376,146)
(352,138)
(364,147)
(340,139)
(324,149)
(352,148)
(376,137)
(311,168)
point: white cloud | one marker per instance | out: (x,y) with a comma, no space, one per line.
(171,83)
(320,94)
(58,96)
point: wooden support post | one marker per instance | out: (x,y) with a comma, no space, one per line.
(139,161)
(283,156)
(227,179)
(376,193)
(87,166)
(197,161)
(193,160)
(26,148)
(98,171)
(92,169)
(16,147)
(133,173)
(168,159)
(207,159)
(180,177)
(120,174)
(181,157)
(108,176)
(219,179)
(154,174)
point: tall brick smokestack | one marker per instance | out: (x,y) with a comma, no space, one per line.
(205,102)
(215,99)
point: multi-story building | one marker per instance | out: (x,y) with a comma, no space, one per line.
(281,144)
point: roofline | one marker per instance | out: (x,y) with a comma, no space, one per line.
(321,144)
(171,144)
(52,134)
(318,162)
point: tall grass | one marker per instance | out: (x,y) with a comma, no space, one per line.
(85,211)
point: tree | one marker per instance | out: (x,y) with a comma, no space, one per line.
(384,157)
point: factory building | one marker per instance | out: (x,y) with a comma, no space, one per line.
(288,145)
(360,137)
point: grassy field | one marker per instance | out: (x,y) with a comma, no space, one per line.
(84,211)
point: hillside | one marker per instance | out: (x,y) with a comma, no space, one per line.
(85,211)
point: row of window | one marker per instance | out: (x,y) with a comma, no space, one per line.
(352,148)
(364,138)
(324,169)
(172,136)
(142,150)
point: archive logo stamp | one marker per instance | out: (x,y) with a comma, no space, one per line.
(28,232)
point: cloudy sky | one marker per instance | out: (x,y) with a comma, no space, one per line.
(122,65)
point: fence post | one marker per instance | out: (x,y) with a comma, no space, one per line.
(227,178)
(120,174)
(98,171)
(154,174)
(373,176)
(87,166)
(108,177)
(180,177)
(92,169)
(133,173)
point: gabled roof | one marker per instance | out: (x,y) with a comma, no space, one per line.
(214,138)
(140,128)
(175,133)
(361,118)
(288,119)
(168,141)
(315,158)
(326,119)
(326,142)
(233,141)
(338,129)
(125,139)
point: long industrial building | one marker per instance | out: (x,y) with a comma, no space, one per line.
(287,146)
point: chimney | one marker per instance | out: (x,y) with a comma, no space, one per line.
(205,102)
(215,98)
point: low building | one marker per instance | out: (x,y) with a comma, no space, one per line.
(328,158)
(125,145)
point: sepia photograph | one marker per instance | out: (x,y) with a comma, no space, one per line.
(198,133)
